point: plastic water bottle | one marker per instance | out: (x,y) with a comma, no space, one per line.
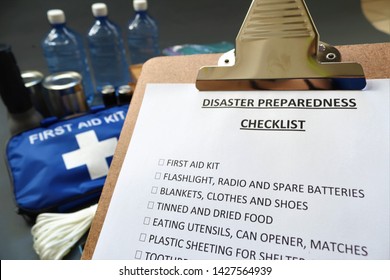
(106,50)
(64,51)
(142,34)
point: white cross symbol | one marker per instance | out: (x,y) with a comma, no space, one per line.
(92,153)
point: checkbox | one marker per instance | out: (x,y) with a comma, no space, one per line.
(154,190)
(146,220)
(142,237)
(150,205)
(157,176)
(161,162)
(138,255)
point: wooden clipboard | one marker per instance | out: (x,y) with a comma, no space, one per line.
(374,58)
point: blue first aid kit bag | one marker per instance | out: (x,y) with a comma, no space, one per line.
(61,166)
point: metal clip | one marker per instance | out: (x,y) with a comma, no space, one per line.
(278,48)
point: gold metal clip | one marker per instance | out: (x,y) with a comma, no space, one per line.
(278,48)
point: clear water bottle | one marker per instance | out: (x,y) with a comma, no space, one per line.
(106,50)
(64,51)
(142,34)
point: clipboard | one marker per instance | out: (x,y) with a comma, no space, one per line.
(374,59)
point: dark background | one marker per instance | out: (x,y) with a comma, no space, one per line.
(23,24)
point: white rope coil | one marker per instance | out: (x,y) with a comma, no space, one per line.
(55,234)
